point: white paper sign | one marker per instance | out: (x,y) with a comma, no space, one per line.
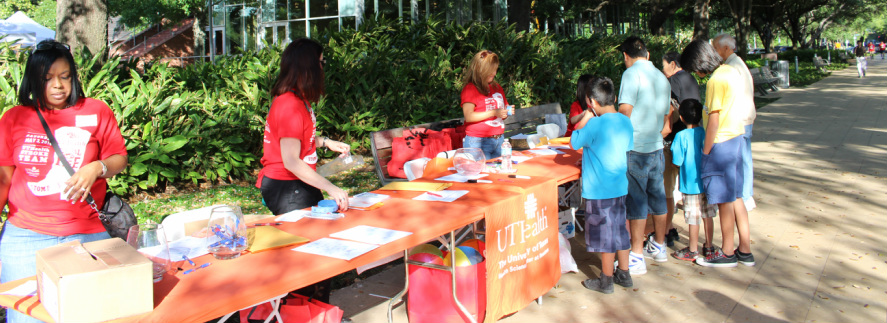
(371,235)
(441,196)
(335,248)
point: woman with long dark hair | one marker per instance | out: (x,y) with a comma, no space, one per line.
(288,179)
(47,205)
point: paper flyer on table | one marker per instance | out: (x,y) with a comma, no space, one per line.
(545,152)
(187,246)
(334,248)
(293,216)
(444,196)
(366,199)
(459,178)
(368,234)
(29,288)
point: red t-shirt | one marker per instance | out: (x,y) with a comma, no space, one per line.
(85,132)
(883,46)
(289,117)
(575,110)
(496,100)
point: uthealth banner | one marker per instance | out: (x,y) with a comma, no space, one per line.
(522,249)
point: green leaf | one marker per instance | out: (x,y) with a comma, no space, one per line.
(137,169)
(173,143)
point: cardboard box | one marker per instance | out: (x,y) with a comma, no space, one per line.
(93,282)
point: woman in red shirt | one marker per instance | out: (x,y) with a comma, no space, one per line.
(46,203)
(578,108)
(288,178)
(484,105)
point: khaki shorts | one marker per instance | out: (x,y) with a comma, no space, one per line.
(670,175)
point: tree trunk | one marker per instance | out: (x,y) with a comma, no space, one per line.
(519,14)
(660,11)
(700,19)
(741,11)
(83,24)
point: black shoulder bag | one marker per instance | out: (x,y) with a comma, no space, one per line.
(116,215)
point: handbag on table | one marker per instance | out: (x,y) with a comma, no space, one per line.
(116,215)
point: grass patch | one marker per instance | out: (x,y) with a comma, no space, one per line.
(242,193)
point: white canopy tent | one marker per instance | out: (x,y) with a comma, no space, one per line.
(19,27)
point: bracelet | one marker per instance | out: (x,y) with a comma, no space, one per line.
(104,168)
(322,141)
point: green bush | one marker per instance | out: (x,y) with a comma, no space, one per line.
(806,55)
(204,122)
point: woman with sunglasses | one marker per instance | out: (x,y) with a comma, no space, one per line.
(47,205)
(484,105)
(288,179)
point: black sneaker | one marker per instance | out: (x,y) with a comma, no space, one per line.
(669,240)
(744,258)
(604,284)
(673,237)
(717,259)
(622,278)
(708,251)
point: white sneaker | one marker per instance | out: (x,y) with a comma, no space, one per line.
(636,264)
(655,251)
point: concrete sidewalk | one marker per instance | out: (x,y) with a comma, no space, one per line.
(818,234)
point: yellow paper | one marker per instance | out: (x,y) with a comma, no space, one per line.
(415,186)
(560,141)
(269,237)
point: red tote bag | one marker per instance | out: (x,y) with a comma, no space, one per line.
(415,144)
(430,297)
(297,309)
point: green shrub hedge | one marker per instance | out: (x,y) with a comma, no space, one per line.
(204,122)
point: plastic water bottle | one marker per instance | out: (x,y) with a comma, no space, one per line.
(506,155)
(340,164)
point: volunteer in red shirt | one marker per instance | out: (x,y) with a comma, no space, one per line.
(288,179)
(47,205)
(484,105)
(578,110)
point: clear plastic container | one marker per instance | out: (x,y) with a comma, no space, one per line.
(506,156)
(340,164)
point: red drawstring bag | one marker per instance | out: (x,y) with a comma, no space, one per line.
(430,295)
(415,144)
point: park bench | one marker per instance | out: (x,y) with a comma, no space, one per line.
(764,79)
(523,121)
(820,64)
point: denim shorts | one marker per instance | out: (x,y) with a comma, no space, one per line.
(18,249)
(492,147)
(646,188)
(722,171)
(605,225)
(747,164)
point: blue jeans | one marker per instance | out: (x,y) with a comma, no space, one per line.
(646,187)
(18,249)
(492,147)
(747,165)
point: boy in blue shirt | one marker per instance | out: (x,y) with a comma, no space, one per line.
(687,154)
(605,138)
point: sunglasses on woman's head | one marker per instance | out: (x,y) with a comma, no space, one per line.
(51,45)
(484,54)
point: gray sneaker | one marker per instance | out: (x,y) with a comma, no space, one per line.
(604,284)
(744,258)
(622,278)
